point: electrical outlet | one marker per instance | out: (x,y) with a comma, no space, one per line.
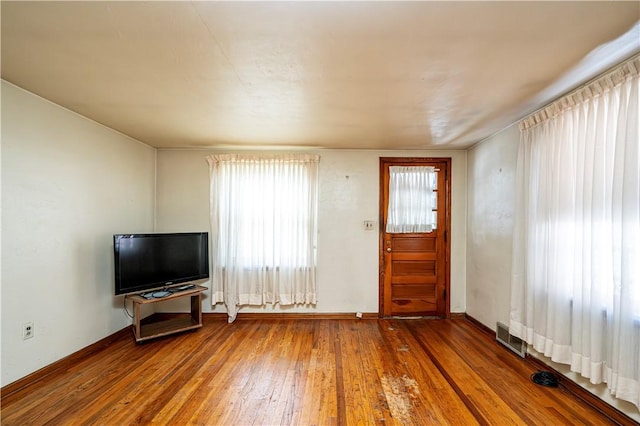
(369,225)
(27,331)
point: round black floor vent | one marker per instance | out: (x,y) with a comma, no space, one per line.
(544,378)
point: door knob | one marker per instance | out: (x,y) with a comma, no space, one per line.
(389,249)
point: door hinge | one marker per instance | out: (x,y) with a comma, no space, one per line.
(444,294)
(445,236)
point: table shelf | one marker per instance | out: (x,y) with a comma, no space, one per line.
(151,328)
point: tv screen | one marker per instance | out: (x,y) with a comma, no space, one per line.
(152,261)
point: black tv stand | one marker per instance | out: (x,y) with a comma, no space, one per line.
(145,330)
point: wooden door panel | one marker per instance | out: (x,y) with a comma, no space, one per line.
(411,267)
(425,290)
(408,257)
(413,279)
(413,244)
(413,306)
(414,267)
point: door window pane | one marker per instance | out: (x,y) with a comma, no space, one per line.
(411,199)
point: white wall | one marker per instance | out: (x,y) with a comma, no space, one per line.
(490,194)
(68,184)
(347,254)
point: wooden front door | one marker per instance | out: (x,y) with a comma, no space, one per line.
(414,268)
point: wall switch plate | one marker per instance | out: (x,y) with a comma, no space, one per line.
(27,330)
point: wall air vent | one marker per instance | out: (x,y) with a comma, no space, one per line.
(513,343)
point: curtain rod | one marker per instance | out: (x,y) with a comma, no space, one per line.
(601,76)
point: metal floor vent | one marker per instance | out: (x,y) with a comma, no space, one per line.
(514,343)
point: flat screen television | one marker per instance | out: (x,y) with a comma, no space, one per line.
(146,262)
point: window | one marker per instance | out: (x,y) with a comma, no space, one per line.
(575,289)
(412,199)
(264,225)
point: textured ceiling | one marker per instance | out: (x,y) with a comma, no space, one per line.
(377,75)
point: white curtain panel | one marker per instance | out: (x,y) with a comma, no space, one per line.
(575,293)
(264,226)
(410,199)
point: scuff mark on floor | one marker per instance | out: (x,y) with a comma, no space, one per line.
(399,392)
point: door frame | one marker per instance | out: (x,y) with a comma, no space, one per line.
(445,165)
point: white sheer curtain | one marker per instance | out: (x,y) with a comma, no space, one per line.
(575,292)
(264,226)
(411,199)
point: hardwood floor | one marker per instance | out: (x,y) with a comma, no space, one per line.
(303,372)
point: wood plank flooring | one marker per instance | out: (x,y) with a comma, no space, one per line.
(301,372)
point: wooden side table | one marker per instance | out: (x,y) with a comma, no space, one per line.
(180,322)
